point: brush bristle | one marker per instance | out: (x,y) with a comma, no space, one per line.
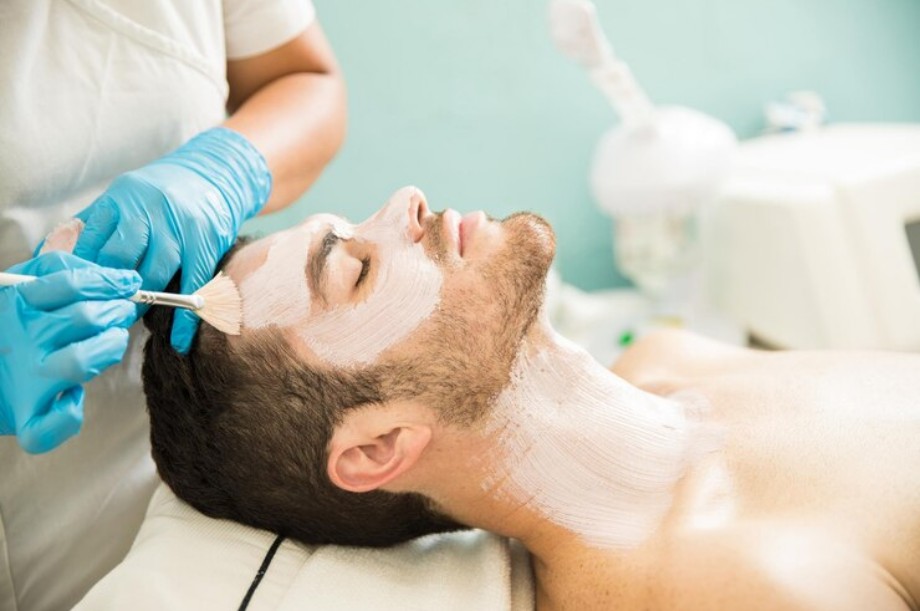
(223,307)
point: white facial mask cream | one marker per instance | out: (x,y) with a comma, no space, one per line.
(277,292)
(588,451)
(406,293)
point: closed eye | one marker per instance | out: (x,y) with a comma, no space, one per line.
(365,267)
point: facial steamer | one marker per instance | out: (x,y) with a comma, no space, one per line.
(652,172)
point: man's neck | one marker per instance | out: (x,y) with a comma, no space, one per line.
(574,456)
(593,454)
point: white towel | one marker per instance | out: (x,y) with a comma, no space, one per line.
(182,559)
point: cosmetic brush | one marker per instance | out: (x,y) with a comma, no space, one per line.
(218,302)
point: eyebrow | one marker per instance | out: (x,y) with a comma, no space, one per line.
(317,265)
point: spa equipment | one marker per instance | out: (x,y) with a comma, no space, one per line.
(652,172)
(815,240)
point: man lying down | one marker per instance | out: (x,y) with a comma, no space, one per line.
(397,378)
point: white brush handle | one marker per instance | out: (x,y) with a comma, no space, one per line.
(189,302)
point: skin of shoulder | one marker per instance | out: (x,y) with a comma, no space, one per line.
(671,354)
(672,360)
(790,564)
(767,566)
(755,566)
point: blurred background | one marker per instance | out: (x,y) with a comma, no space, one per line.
(470,100)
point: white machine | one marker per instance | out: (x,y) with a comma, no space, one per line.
(814,241)
(651,172)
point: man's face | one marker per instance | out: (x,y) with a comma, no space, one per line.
(438,300)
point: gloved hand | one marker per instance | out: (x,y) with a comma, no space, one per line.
(185,209)
(56,333)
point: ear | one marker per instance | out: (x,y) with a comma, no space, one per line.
(373,446)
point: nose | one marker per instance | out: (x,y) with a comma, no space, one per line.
(418,213)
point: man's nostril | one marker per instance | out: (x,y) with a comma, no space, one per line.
(418,211)
(421,212)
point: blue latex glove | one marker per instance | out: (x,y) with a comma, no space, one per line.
(185,209)
(56,333)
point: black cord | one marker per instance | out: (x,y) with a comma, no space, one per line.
(261,572)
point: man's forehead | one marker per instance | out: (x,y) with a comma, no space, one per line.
(319,223)
(253,255)
(322,220)
(272,272)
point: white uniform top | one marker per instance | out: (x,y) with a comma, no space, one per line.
(91,89)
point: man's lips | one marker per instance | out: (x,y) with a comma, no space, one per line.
(451,219)
(461,229)
(469,224)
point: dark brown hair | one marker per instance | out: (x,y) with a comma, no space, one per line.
(241,432)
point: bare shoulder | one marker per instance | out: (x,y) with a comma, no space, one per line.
(761,568)
(670,359)
(676,353)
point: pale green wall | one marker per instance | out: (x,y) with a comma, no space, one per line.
(469,100)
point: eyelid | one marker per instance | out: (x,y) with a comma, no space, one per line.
(365,267)
(317,268)
(329,242)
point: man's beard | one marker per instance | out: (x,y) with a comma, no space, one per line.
(474,338)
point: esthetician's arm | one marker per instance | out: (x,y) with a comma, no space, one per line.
(290,103)
(185,209)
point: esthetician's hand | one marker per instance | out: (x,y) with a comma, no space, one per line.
(183,210)
(56,333)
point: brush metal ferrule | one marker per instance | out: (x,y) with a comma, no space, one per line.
(189,302)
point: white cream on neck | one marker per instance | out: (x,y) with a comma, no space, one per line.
(588,451)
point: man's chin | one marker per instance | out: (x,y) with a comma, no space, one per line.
(530,247)
(534,233)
